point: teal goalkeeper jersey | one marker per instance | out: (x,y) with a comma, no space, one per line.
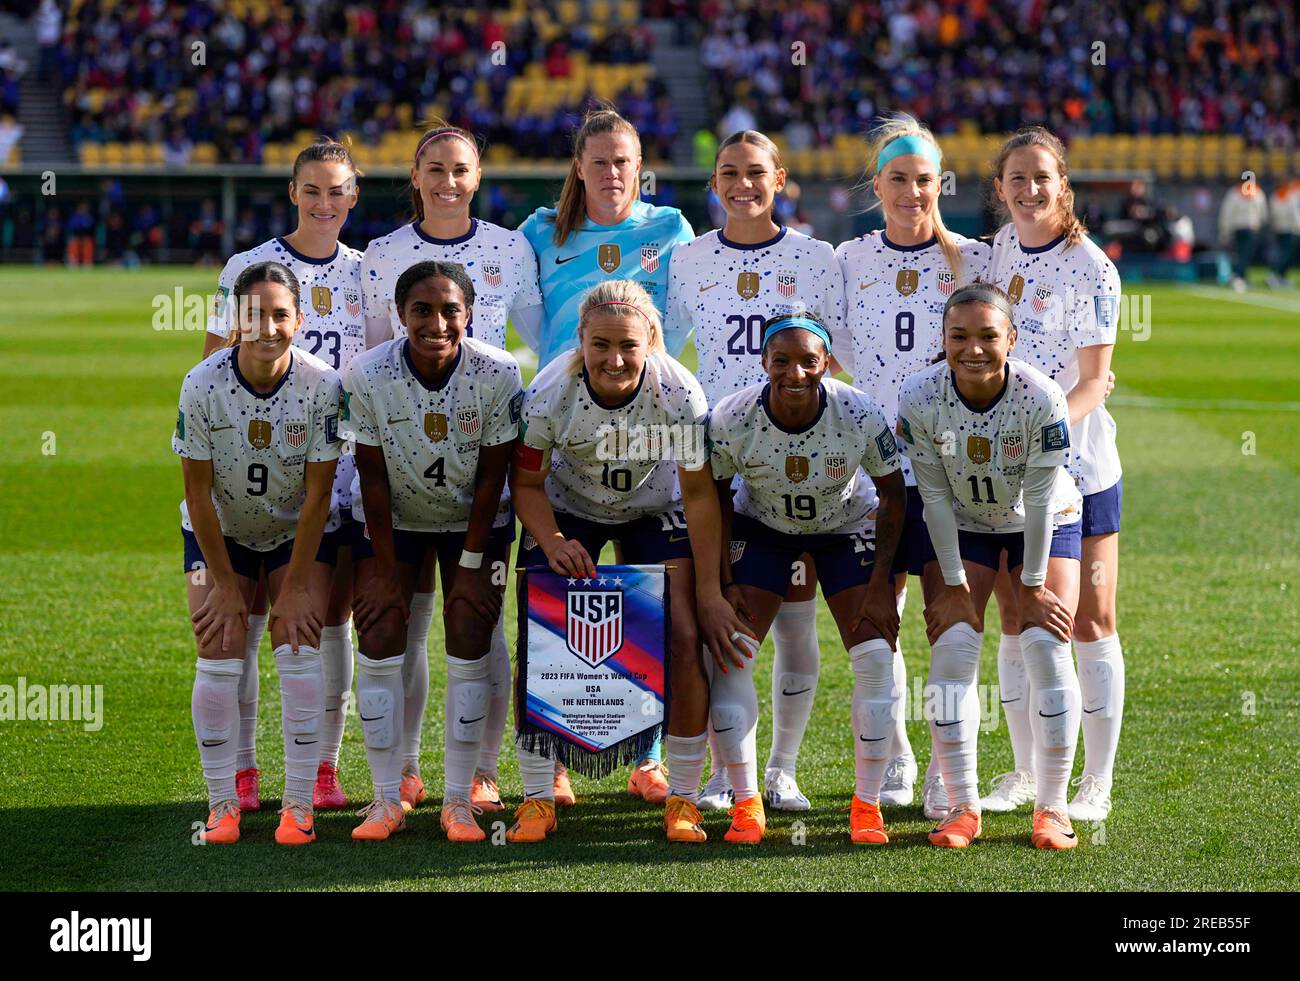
(638,248)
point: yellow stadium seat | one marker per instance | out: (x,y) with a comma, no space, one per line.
(599,11)
(204,153)
(90,154)
(153,153)
(135,153)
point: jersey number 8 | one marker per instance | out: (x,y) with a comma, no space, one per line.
(905,330)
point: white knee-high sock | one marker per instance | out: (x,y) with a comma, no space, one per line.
(900,745)
(1055,703)
(1101,682)
(336,666)
(734,711)
(954,669)
(214,706)
(1013,691)
(302,709)
(415,678)
(794,680)
(873,715)
(249,688)
(685,758)
(380,705)
(537,773)
(499,701)
(466,704)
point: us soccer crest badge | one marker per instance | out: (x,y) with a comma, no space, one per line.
(593,665)
(492,274)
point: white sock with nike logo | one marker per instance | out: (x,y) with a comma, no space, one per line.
(415,679)
(1013,693)
(873,715)
(214,706)
(336,667)
(733,709)
(1101,679)
(489,753)
(249,687)
(1055,708)
(380,708)
(685,758)
(954,727)
(466,705)
(302,708)
(795,666)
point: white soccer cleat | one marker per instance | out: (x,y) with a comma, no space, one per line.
(934,798)
(1009,791)
(900,777)
(717,794)
(1092,802)
(782,793)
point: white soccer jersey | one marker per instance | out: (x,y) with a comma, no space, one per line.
(985,451)
(806,482)
(893,310)
(431,436)
(333,318)
(620,464)
(500,264)
(259,444)
(1065,299)
(724,291)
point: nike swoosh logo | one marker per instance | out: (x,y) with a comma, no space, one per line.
(867,286)
(560,262)
(1044,715)
(466,722)
(799,692)
(1090,711)
(220,742)
(728,729)
(944,725)
(679,538)
(220,429)
(1008,701)
(705,289)
(876,740)
(364,719)
(394,422)
(299,742)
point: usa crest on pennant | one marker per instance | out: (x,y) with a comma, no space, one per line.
(594,627)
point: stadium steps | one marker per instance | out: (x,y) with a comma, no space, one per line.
(40,113)
(679,68)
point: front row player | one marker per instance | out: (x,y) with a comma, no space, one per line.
(576,489)
(435,415)
(989,441)
(799,443)
(258,438)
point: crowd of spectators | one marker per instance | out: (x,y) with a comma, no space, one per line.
(1076,66)
(183,73)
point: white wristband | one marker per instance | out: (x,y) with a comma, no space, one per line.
(471,560)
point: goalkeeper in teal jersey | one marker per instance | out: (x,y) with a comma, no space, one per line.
(600,230)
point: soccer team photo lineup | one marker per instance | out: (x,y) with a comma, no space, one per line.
(649,446)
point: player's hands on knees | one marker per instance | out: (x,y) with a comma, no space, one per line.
(474,588)
(951,606)
(880,609)
(299,617)
(727,636)
(1040,607)
(569,558)
(375,597)
(222,611)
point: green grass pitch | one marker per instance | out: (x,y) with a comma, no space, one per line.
(1209,414)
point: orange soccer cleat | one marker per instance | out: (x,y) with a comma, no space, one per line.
(866,826)
(247,789)
(327,795)
(748,821)
(682,821)
(382,819)
(534,820)
(1052,830)
(223,824)
(649,781)
(563,789)
(457,819)
(297,827)
(411,791)
(485,794)
(958,829)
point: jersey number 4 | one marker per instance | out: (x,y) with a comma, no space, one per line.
(436,471)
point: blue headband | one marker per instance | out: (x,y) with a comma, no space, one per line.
(903,145)
(790,322)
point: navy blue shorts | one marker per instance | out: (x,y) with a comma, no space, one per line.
(412,546)
(644,541)
(762,557)
(1101,510)
(986,547)
(915,540)
(250,563)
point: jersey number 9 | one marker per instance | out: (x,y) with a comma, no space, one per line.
(257,478)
